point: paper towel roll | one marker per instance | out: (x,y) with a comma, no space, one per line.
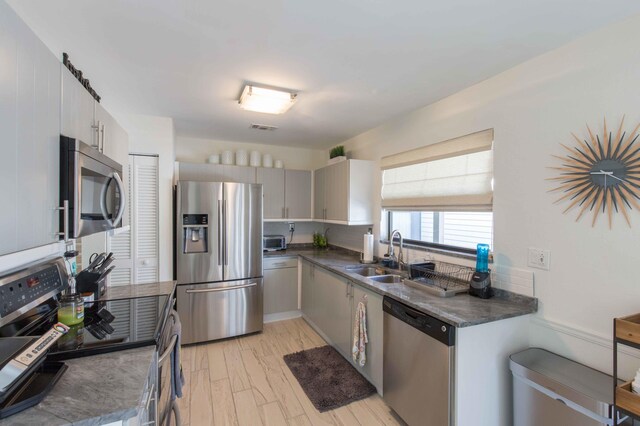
(367,251)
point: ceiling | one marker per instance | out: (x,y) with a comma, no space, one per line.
(355,63)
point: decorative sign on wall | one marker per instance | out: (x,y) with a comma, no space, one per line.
(601,175)
(78,74)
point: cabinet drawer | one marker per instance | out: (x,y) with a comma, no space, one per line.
(280,262)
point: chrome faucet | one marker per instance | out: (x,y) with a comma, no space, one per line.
(391,254)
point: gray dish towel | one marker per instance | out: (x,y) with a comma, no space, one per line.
(173,327)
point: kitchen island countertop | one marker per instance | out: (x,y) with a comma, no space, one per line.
(461,310)
(131,291)
(94,390)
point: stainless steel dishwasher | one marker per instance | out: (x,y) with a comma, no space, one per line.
(418,365)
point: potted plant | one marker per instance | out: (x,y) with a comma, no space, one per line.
(337,154)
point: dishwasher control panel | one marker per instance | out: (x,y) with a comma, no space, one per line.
(439,330)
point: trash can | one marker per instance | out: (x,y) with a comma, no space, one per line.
(549,389)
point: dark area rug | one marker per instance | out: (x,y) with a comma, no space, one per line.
(327,378)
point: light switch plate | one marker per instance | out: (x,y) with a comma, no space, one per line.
(538,258)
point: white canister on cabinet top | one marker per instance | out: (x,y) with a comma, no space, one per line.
(267,160)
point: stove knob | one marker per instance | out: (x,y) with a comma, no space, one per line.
(444,329)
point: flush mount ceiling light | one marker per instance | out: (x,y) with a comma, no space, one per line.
(270,101)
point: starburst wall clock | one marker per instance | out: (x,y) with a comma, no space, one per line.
(600,175)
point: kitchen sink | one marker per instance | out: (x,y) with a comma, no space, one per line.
(365,271)
(388,279)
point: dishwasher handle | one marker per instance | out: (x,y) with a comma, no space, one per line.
(431,326)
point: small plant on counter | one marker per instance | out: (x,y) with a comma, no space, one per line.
(319,240)
(338,151)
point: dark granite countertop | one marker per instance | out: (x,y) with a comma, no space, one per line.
(94,390)
(130,291)
(461,310)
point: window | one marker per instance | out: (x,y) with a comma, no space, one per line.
(461,231)
(442,194)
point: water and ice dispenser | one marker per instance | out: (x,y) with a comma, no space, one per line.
(195,233)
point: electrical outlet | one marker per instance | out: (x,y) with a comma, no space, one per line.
(539,258)
(292,227)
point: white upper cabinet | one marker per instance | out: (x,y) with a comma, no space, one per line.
(30,129)
(113,139)
(78,110)
(344,193)
(86,119)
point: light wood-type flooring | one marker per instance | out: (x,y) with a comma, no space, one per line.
(244,381)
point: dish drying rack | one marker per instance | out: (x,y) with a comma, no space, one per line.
(441,278)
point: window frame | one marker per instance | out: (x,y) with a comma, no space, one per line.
(424,244)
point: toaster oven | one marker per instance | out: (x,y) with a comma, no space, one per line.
(274,243)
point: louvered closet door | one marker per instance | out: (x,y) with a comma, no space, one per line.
(145,219)
(136,251)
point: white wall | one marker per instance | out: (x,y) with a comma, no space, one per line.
(533,108)
(155,135)
(198,151)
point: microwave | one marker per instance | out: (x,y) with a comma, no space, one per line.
(274,242)
(91,187)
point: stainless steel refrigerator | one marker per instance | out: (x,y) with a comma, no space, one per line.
(218,259)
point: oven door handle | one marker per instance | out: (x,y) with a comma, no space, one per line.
(211,290)
(103,200)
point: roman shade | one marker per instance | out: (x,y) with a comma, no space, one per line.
(454,175)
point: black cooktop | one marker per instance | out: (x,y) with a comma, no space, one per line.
(108,326)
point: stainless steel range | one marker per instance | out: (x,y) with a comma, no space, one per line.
(218,259)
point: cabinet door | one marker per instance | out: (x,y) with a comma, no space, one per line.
(372,369)
(307,289)
(280,290)
(273,185)
(78,110)
(239,174)
(297,190)
(337,191)
(114,140)
(318,194)
(30,129)
(333,303)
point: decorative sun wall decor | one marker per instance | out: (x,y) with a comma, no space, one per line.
(601,175)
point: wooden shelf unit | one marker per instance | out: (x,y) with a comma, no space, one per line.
(626,331)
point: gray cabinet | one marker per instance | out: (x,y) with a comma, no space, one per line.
(272,181)
(200,172)
(329,303)
(30,129)
(287,193)
(306,289)
(280,285)
(372,369)
(334,309)
(344,192)
(319,210)
(297,194)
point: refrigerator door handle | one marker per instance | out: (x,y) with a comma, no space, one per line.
(211,290)
(220,230)
(226,243)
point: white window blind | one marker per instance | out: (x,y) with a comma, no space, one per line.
(455,175)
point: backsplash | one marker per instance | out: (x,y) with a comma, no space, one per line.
(349,237)
(303,234)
